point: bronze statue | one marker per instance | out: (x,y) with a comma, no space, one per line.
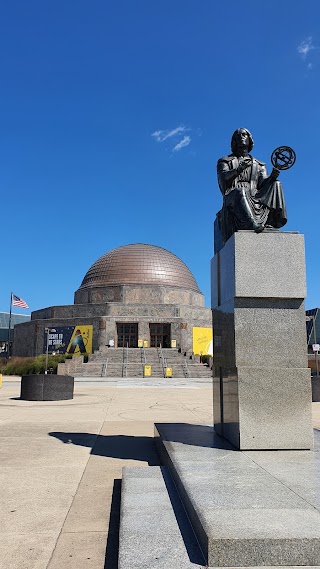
(251,198)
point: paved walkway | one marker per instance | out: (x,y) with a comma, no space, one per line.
(61,466)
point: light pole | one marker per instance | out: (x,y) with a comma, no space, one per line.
(47,331)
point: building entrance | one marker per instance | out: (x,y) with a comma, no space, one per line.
(127,335)
(160,335)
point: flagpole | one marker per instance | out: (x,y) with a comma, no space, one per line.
(9,331)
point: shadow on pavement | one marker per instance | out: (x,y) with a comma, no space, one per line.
(138,448)
(193,435)
(114,446)
(112,548)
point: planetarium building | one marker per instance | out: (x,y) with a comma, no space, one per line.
(133,296)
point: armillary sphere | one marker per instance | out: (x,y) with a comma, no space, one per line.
(283,158)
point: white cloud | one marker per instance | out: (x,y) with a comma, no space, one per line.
(184,142)
(162,135)
(157,135)
(176,138)
(305,47)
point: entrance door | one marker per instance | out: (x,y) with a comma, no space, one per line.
(127,334)
(160,335)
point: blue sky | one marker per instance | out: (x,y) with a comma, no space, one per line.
(113,115)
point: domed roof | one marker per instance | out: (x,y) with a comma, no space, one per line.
(139,264)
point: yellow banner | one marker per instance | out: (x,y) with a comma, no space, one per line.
(202,341)
(81,341)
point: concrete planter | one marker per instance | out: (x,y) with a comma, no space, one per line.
(46,387)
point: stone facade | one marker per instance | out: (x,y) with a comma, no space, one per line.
(142,294)
(105,305)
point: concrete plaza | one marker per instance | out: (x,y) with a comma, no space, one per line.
(61,465)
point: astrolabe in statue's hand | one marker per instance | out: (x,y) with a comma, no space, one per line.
(283,158)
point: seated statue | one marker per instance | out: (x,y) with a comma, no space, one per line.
(251,198)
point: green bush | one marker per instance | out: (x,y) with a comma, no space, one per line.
(31,366)
(3,363)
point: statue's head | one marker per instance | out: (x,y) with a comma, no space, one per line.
(238,137)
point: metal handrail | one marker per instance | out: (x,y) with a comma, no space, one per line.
(104,369)
(125,361)
(143,359)
(186,369)
(162,360)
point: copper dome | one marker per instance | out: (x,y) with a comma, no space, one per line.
(139,264)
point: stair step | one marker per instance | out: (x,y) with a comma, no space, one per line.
(154,529)
(114,358)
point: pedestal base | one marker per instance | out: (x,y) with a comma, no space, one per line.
(262,386)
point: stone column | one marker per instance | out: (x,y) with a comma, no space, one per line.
(261,385)
(144,331)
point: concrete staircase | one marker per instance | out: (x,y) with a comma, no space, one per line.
(120,362)
(185,367)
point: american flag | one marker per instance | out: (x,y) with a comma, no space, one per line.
(16,301)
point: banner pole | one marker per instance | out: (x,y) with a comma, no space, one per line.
(9,331)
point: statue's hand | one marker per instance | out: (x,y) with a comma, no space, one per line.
(274,174)
(243,164)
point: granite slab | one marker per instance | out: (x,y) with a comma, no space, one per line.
(284,251)
(155,532)
(247,508)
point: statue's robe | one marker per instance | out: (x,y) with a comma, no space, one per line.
(249,198)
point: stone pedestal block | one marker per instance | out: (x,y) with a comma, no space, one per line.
(262,386)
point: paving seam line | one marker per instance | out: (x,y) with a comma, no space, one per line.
(83,473)
(281,481)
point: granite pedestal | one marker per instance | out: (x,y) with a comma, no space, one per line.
(261,385)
